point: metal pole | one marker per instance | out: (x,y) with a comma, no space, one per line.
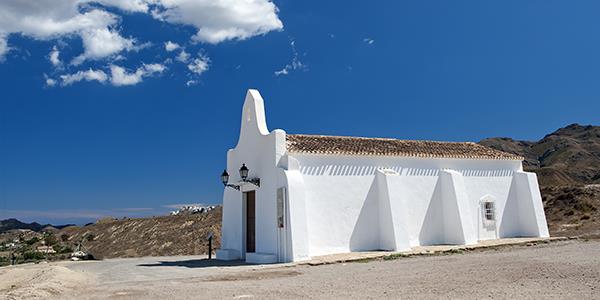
(210,247)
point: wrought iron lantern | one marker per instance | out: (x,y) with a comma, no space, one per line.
(244,171)
(225,177)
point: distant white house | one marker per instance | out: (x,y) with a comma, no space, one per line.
(310,195)
(45,249)
(191,210)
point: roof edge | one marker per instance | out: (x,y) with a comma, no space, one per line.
(493,154)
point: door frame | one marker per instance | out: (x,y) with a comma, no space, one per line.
(482,222)
(245,222)
(282,232)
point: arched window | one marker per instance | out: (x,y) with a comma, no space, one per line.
(488,208)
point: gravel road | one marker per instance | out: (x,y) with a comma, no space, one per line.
(567,270)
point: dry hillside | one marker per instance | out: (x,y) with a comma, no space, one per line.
(568,156)
(166,235)
(567,163)
(572,210)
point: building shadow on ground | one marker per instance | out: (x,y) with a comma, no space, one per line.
(197,263)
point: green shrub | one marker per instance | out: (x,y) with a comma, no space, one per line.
(64,249)
(50,239)
(64,237)
(33,255)
(455,251)
(395,256)
(32,241)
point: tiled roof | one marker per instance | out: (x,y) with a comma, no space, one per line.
(343,145)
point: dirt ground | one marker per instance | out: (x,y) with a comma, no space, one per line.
(564,270)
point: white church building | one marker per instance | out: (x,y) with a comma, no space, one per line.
(289,197)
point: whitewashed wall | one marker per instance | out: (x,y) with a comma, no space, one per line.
(337,204)
(343,209)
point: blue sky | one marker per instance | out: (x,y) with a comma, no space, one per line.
(101,119)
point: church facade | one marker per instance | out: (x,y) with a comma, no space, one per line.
(289,197)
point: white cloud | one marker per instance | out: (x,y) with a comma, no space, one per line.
(283,71)
(170,46)
(191,82)
(294,65)
(89,75)
(3,46)
(54,57)
(50,81)
(120,76)
(199,65)
(221,20)
(50,19)
(369,41)
(126,5)
(183,56)
(97,24)
(154,68)
(215,20)
(102,42)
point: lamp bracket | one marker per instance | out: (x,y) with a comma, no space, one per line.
(255,181)
(237,186)
(233,186)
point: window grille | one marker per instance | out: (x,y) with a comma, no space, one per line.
(488,211)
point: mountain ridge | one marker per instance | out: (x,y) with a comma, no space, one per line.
(567,156)
(12,223)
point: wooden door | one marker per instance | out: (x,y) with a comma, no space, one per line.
(250,221)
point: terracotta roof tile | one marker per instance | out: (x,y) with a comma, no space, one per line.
(343,145)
